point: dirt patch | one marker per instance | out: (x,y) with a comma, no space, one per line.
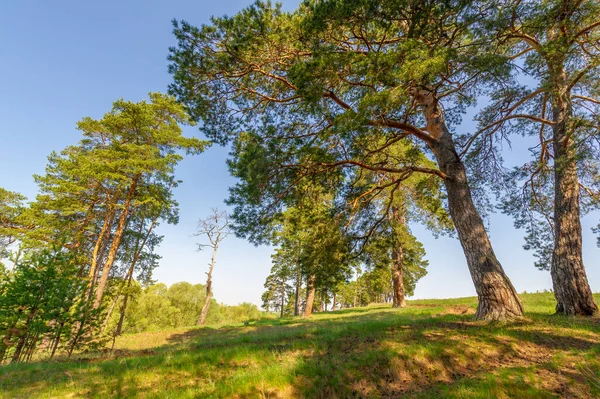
(457,310)
(424,305)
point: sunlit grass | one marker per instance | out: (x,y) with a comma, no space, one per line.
(430,349)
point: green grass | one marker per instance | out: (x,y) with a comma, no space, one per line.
(431,349)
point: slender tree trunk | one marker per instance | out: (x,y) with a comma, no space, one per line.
(321,303)
(498,300)
(122,315)
(310,296)
(282,296)
(23,338)
(139,247)
(31,347)
(109,313)
(398,223)
(100,246)
(571,287)
(297,298)
(334,302)
(116,243)
(123,306)
(206,306)
(56,340)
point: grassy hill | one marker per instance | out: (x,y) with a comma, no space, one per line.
(431,349)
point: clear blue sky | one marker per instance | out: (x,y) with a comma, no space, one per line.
(63,60)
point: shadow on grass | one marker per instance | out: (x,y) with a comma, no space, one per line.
(449,356)
(371,352)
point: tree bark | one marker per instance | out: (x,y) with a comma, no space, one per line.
(282,297)
(116,243)
(100,249)
(56,340)
(297,298)
(206,305)
(398,222)
(571,288)
(498,300)
(398,277)
(310,296)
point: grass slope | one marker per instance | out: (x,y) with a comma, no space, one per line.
(431,349)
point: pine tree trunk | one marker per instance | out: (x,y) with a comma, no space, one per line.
(297,298)
(571,287)
(397,277)
(56,340)
(122,316)
(282,297)
(498,300)
(399,223)
(23,337)
(310,296)
(100,249)
(116,243)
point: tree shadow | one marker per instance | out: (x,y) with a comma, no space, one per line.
(449,356)
(372,353)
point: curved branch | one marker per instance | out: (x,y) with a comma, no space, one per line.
(587,29)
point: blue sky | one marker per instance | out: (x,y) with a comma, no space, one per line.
(64,60)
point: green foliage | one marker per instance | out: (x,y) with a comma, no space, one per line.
(40,302)
(157,308)
(554,44)
(99,201)
(11,207)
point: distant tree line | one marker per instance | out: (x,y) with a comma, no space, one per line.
(157,307)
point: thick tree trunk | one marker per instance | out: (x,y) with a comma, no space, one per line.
(397,278)
(498,299)
(571,287)
(310,296)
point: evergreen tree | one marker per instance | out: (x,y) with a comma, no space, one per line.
(309,92)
